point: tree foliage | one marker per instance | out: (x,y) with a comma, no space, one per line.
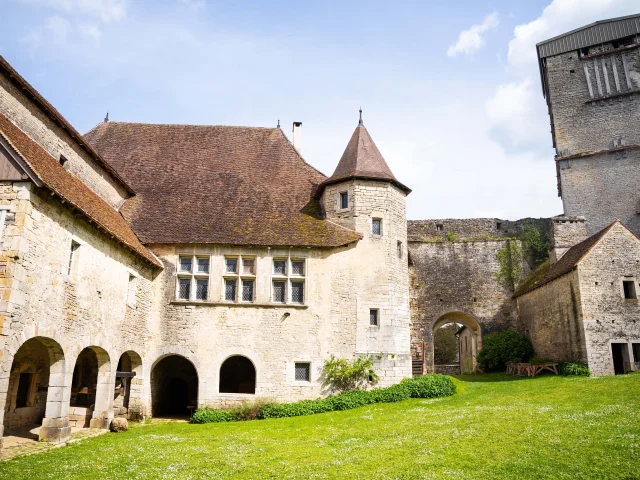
(510,260)
(343,375)
(445,344)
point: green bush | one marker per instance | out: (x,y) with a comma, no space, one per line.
(498,349)
(426,386)
(343,375)
(248,410)
(575,369)
(429,386)
(211,415)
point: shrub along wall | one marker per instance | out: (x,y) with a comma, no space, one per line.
(426,386)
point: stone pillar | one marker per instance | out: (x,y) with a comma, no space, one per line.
(55,424)
(103,410)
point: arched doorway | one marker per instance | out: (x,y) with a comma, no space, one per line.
(36,383)
(468,334)
(127,402)
(237,375)
(174,387)
(91,401)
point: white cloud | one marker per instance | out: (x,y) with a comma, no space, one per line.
(58,27)
(471,40)
(91,31)
(516,110)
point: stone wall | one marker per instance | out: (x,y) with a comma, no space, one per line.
(447,277)
(606,186)
(75,309)
(471,228)
(603,188)
(551,317)
(26,115)
(608,317)
(565,233)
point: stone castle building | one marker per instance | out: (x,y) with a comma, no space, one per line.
(147,270)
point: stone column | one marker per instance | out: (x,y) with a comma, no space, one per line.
(103,410)
(55,424)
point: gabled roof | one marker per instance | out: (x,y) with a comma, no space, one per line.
(47,172)
(217,184)
(58,119)
(362,159)
(569,260)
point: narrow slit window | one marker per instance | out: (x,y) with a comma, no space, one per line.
(400,249)
(75,246)
(132,290)
(344,200)
(629,287)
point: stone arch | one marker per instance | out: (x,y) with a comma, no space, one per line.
(128,399)
(174,386)
(91,399)
(43,360)
(470,334)
(237,375)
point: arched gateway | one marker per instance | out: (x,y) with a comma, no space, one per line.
(174,387)
(469,338)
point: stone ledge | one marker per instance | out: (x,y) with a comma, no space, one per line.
(234,305)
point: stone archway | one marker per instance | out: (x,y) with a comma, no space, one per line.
(469,340)
(128,399)
(174,386)
(91,400)
(237,375)
(36,389)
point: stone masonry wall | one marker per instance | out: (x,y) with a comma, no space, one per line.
(603,188)
(471,228)
(41,299)
(551,317)
(459,277)
(608,317)
(15,105)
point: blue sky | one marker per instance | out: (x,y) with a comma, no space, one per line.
(449,90)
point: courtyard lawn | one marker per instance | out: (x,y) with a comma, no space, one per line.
(496,427)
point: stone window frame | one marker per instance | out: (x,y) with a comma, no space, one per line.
(381,227)
(289,278)
(72,267)
(636,287)
(302,383)
(238,277)
(132,289)
(193,275)
(4,210)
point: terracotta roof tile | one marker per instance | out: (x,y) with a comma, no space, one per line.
(217,184)
(362,159)
(55,178)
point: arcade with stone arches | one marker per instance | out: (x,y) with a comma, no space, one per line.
(467,334)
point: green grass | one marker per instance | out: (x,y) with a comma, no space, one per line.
(496,427)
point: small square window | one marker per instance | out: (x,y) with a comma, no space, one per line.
(344,200)
(279,292)
(280,267)
(373,317)
(297,267)
(247,290)
(203,265)
(303,372)
(231,265)
(202,288)
(185,264)
(439,227)
(498,226)
(230,290)
(376,226)
(184,288)
(297,292)
(629,287)
(249,266)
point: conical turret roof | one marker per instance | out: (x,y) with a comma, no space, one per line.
(362,159)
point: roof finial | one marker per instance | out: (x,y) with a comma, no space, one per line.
(278,123)
(106,118)
(360,122)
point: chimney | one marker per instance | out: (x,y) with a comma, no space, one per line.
(297,135)
(565,233)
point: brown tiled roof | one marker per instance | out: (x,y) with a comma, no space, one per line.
(217,184)
(362,159)
(567,262)
(56,179)
(57,118)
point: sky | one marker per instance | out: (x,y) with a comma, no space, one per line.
(450,90)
